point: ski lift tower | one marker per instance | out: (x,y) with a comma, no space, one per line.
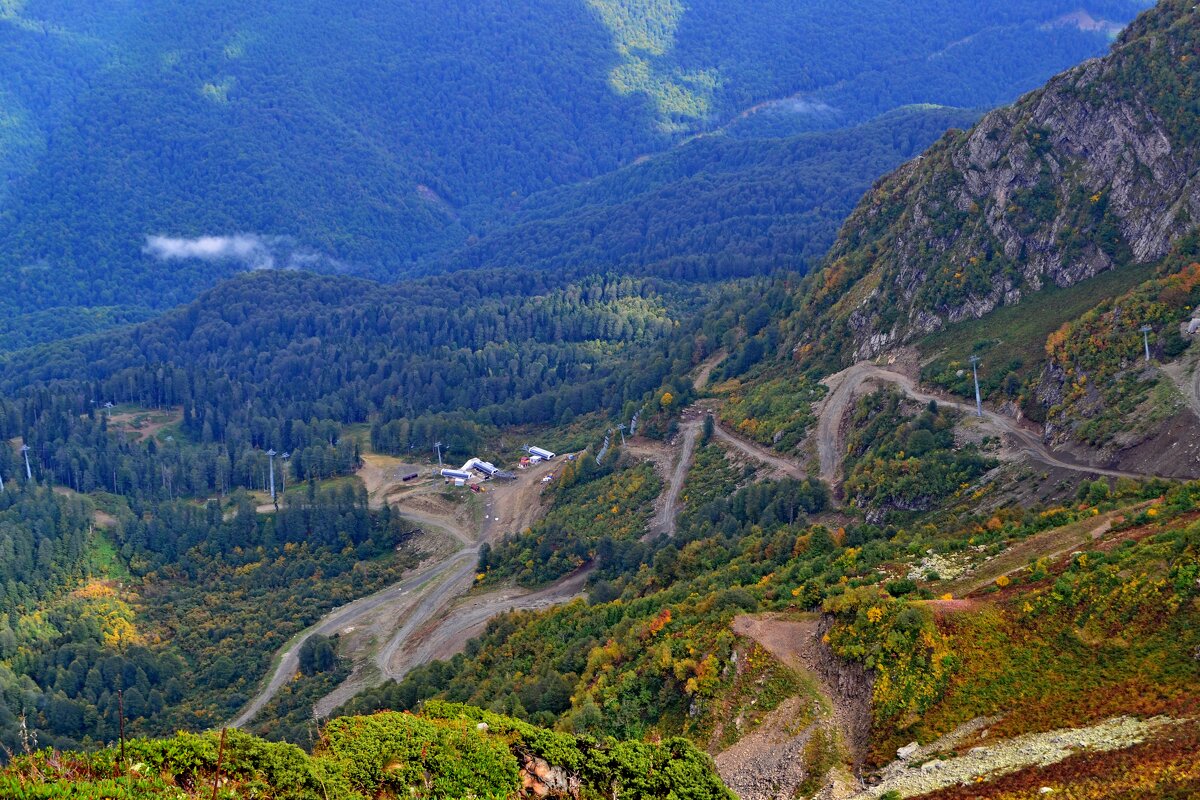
(621,428)
(28,472)
(978,399)
(271,455)
(439,446)
(283,473)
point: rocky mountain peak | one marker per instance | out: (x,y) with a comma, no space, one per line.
(1095,171)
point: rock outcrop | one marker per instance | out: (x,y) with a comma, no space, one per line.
(1095,171)
(541,779)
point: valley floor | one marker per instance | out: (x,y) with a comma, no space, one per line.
(422,617)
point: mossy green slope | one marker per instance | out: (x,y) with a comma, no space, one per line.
(449,751)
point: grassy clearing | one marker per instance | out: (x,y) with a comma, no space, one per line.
(1026,327)
(360,432)
(104,561)
(142,424)
(1054,541)
(298,490)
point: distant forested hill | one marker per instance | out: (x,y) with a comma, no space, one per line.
(501,348)
(717,207)
(363,135)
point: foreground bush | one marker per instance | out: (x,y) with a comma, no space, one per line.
(449,751)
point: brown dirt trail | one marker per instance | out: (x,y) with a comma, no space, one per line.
(845,385)
(769,763)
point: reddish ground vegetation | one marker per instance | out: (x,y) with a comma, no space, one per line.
(1166,766)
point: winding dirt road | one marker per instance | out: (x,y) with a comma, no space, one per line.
(705,370)
(845,385)
(470,618)
(451,582)
(759,453)
(423,603)
(675,471)
(337,620)
(752,449)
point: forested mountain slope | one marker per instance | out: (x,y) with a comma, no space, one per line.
(1097,171)
(717,207)
(504,349)
(363,136)
(950,581)
(270,360)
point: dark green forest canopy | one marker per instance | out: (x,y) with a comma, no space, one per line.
(391,136)
(716,208)
(509,347)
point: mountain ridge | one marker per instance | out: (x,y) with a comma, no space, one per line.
(1064,184)
(391,138)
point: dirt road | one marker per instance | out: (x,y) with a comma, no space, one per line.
(1052,544)
(674,467)
(797,644)
(443,523)
(470,618)
(436,628)
(452,579)
(1186,374)
(663,521)
(776,748)
(421,602)
(845,385)
(704,371)
(383,474)
(759,453)
(337,620)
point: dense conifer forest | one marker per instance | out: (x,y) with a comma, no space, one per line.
(263,269)
(393,139)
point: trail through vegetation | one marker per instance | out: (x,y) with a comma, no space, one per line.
(844,385)
(668,503)
(843,718)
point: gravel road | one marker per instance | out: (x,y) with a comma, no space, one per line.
(425,596)
(340,618)
(756,451)
(668,505)
(845,384)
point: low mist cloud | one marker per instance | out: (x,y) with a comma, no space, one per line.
(251,250)
(799,105)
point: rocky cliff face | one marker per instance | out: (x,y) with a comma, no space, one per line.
(1095,171)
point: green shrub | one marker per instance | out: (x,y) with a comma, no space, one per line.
(403,753)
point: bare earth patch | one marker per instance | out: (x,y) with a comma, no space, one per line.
(775,751)
(917,776)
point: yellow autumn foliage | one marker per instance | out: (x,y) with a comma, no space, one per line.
(116,617)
